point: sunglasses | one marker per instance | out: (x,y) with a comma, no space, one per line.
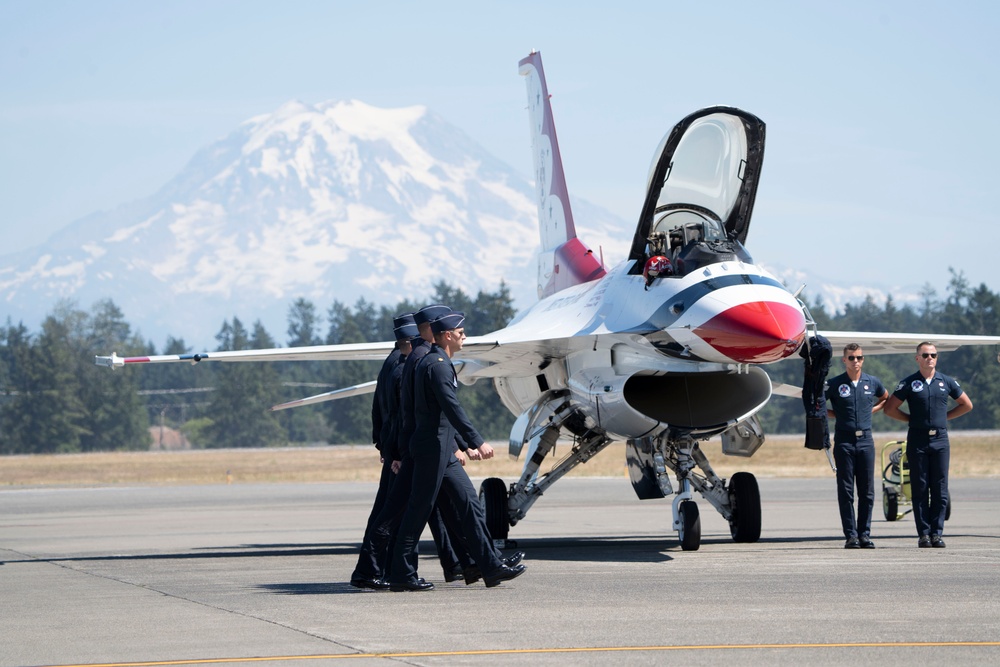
(932,355)
(859,357)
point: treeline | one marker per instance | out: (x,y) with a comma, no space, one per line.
(54,399)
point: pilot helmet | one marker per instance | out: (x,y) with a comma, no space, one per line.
(657,266)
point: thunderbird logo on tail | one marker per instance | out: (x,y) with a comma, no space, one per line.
(662,351)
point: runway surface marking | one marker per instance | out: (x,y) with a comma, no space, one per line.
(522,651)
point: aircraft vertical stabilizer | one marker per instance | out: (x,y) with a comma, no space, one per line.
(563,260)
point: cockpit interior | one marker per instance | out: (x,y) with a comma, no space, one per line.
(688,239)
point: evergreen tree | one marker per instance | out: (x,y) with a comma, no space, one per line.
(303,378)
(244,393)
(18,367)
(116,414)
(350,418)
(55,410)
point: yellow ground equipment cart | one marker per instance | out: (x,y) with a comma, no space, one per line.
(896,482)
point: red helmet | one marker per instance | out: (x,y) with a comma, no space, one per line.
(656,267)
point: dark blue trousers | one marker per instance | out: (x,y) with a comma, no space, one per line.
(929,460)
(439,472)
(369,565)
(855,466)
(386,527)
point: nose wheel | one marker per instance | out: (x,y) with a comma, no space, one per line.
(689,532)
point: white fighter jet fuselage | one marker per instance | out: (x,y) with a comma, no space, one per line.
(621,347)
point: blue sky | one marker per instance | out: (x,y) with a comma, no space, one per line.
(881,161)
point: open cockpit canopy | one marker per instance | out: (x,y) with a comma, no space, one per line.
(703,180)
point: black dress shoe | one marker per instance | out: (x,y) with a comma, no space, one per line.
(411,585)
(472,574)
(513,559)
(852,543)
(924,541)
(375,584)
(866,542)
(937,542)
(455,574)
(503,573)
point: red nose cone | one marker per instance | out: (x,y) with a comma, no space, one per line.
(755,333)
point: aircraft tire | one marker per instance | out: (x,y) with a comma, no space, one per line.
(493,496)
(690,532)
(744,494)
(890,505)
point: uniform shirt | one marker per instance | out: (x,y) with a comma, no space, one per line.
(390,435)
(439,417)
(853,404)
(380,413)
(928,402)
(406,424)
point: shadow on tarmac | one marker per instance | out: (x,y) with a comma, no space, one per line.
(332,588)
(600,549)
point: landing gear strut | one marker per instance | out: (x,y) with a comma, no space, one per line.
(505,507)
(738,503)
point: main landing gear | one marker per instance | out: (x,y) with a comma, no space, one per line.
(652,463)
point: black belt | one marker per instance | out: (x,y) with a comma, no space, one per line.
(861,434)
(929,431)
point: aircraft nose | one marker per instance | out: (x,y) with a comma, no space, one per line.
(757,332)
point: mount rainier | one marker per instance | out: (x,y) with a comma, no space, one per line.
(335,201)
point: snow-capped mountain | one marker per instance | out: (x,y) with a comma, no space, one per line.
(335,201)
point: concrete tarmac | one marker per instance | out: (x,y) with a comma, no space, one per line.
(258,574)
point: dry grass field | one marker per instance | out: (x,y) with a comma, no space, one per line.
(974,454)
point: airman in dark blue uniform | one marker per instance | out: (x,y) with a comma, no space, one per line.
(928,451)
(453,557)
(438,419)
(854,396)
(368,572)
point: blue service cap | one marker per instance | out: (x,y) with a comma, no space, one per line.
(452,320)
(430,313)
(401,319)
(406,331)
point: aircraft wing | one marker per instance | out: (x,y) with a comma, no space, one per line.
(346,392)
(874,342)
(789,390)
(346,352)
(507,357)
(483,357)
